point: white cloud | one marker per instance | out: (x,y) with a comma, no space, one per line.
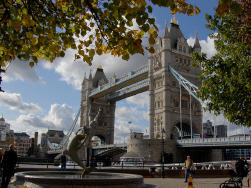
(59,117)
(207,46)
(14,102)
(123,129)
(129,118)
(131,114)
(20,70)
(72,72)
(141,100)
(35,121)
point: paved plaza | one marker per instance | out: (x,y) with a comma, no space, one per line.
(179,183)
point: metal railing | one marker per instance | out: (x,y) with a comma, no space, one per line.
(234,140)
(218,165)
(130,89)
(120,80)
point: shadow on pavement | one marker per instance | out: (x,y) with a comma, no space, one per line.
(148,186)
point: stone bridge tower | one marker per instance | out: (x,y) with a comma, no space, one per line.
(90,106)
(164,90)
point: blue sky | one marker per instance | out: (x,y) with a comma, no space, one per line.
(48,95)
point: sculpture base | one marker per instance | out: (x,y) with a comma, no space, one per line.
(69,179)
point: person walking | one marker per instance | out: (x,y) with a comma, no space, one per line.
(63,161)
(188,168)
(8,165)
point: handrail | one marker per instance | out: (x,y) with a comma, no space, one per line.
(127,76)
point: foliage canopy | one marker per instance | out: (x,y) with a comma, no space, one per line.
(226,77)
(34,29)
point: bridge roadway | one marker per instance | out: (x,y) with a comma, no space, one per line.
(114,85)
(225,142)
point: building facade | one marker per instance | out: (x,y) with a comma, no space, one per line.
(22,143)
(54,137)
(173,112)
(4,129)
(89,107)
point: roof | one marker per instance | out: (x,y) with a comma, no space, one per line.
(196,42)
(173,33)
(23,134)
(99,75)
(131,154)
(53,132)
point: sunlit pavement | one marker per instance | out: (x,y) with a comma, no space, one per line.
(179,183)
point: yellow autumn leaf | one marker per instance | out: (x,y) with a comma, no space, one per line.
(34,41)
(17,26)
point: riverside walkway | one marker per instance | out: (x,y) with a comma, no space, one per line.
(179,182)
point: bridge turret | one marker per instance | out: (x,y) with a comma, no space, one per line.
(166,38)
(196,46)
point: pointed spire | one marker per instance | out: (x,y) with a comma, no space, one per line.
(83,82)
(90,74)
(174,21)
(196,42)
(165,34)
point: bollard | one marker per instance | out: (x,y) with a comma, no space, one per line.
(190,183)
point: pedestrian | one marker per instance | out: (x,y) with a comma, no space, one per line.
(63,161)
(188,168)
(241,168)
(8,165)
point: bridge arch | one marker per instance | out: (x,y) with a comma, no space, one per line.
(180,130)
(98,139)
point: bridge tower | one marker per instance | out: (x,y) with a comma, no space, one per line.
(89,107)
(164,90)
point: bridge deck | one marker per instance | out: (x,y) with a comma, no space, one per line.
(226,142)
(129,79)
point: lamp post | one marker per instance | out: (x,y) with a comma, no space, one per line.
(162,156)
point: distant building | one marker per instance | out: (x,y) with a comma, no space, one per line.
(22,143)
(95,141)
(33,147)
(53,136)
(217,131)
(9,140)
(221,131)
(208,130)
(4,129)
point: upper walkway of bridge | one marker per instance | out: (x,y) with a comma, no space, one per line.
(114,85)
(243,141)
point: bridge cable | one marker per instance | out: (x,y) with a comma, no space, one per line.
(181,114)
(191,123)
(66,139)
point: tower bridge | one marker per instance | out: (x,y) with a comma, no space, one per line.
(170,79)
(174,110)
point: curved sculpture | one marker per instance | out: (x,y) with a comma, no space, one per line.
(80,140)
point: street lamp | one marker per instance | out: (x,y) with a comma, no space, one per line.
(162,156)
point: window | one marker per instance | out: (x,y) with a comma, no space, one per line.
(180,60)
(184,49)
(180,48)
